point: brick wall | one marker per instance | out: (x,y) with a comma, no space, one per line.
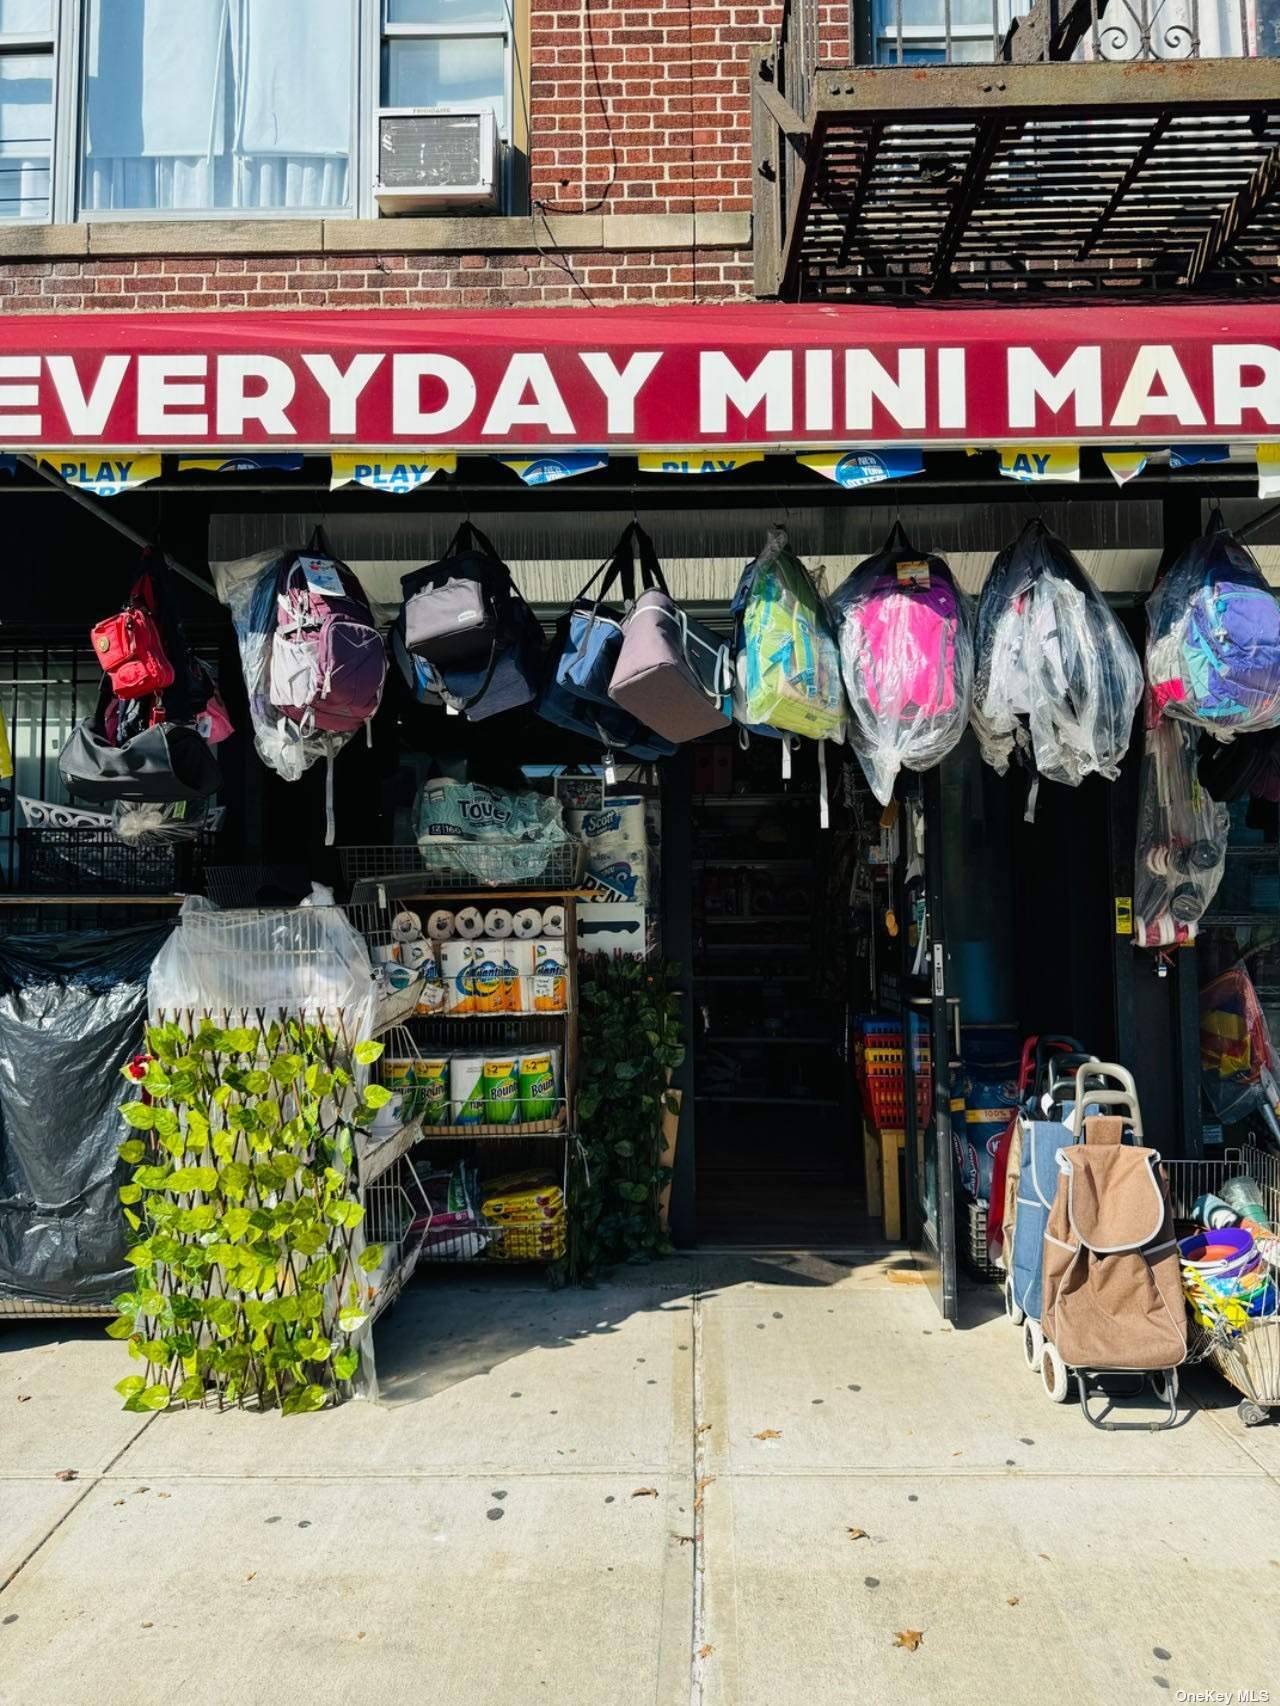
(372,281)
(633,110)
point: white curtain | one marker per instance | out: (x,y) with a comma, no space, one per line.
(193,104)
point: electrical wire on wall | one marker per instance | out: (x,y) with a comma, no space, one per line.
(542,208)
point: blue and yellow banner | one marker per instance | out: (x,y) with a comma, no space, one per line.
(1269,470)
(864,467)
(245,462)
(105,473)
(1034,462)
(1125,465)
(696,461)
(1196,455)
(546,470)
(393,471)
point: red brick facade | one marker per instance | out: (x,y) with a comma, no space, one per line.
(630,110)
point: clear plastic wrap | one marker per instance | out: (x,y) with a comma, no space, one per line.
(1239,1068)
(1213,638)
(787,671)
(304,959)
(906,652)
(1057,678)
(1182,839)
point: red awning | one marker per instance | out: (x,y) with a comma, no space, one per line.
(761,375)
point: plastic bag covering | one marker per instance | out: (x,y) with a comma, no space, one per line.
(788,668)
(1238,1064)
(248,589)
(1057,678)
(483,827)
(906,650)
(1213,638)
(304,959)
(71,1013)
(1182,839)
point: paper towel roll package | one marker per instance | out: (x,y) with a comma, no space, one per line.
(497,923)
(521,955)
(553,921)
(469,923)
(440,925)
(406,927)
(527,924)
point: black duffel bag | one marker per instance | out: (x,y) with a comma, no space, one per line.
(161,764)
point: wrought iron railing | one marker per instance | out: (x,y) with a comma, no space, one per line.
(954,32)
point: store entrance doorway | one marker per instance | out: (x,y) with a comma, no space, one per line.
(779,1155)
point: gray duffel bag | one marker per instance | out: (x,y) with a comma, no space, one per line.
(672,674)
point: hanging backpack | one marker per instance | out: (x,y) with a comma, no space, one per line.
(672,674)
(787,666)
(1056,678)
(608,724)
(328,661)
(1213,638)
(129,646)
(592,641)
(501,669)
(907,659)
(161,763)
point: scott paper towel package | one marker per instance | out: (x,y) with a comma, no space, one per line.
(617,849)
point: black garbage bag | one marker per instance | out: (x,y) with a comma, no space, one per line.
(72,1008)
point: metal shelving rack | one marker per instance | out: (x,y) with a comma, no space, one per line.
(493,1149)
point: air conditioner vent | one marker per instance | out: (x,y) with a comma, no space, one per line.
(432,158)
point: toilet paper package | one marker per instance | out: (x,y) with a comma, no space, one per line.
(617,848)
(469,923)
(497,923)
(619,822)
(440,925)
(526,924)
(553,921)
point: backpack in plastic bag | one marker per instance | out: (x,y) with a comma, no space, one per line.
(328,661)
(1213,638)
(787,670)
(907,657)
(1057,680)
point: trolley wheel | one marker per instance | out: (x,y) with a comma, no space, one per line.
(1032,1343)
(1010,1305)
(1053,1371)
(1251,1414)
(1165,1384)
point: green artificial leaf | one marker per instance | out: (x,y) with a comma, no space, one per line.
(140,1115)
(166,1121)
(345,1213)
(130,1384)
(134,1223)
(152,1178)
(234,1178)
(303,1399)
(346,1363)
(133,1149)
(376,1096)
(367,1052)
(223,1145)
(310,1305)
(191,1389)
(120,1328)
(350,1320)
(316,1348)
(286,1068)
(198,1219)
(153,1398)
(370,1258)
(130,1193)
(139,1256)
(155,1350)
(151,1301)
(624,1149)
(240,1041)
(235,1222)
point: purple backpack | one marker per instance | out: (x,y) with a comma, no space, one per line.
(328,661)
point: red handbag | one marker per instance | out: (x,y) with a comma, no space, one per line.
(130,650)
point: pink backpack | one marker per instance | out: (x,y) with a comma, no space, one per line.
(328,661)
(905,636)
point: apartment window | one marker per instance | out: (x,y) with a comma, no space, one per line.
(27,36)
(448,53)
(205,106)
(939,32)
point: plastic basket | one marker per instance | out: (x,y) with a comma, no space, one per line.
(976,1256)
(96,861)
(452,864)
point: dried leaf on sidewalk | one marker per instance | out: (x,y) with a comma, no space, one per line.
(768,1433)
(700,1490)
(1014,1601)
(251,1575)
(908,1638)
(67,1475)
(645,1493)
(705,1652)
(684,1539)
(857,1534)
(24,1397)
(703,1428)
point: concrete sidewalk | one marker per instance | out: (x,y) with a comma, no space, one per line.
(731,1480)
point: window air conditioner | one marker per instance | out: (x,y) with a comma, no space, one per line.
(432,158)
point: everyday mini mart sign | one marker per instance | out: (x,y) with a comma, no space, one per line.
(759,376)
